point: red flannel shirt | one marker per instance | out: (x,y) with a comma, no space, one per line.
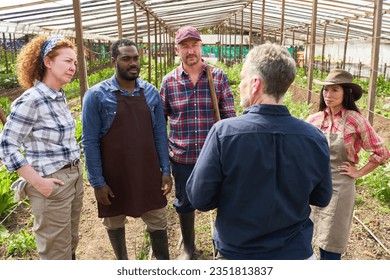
(190,110)
(358,133)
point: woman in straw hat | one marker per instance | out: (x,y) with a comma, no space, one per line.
(41,123)
(347,132)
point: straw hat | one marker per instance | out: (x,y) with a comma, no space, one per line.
(343,78)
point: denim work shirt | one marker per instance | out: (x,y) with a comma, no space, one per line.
(99,109)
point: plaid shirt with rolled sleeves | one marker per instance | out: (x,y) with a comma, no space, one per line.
(358,134)
(190,110)
(42,124)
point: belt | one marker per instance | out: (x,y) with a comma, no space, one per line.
(74,162)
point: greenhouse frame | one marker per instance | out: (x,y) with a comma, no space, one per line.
(228,23)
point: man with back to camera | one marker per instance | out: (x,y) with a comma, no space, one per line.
(262,170)
(186,98)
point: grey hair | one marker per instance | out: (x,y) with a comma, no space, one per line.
(274,65)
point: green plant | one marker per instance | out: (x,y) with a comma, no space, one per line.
(4,233)
(21,243)
(233,72)
(8,78)
(301,79)
(8,81)
(76,108)
(5,104)
(79,130)
(236,95)
(6,195)
(382,87)
(298,110)
(143,254)
(72,89)
(378,181)
(359,200)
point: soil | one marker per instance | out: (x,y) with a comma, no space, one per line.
(11,93)
(94,243)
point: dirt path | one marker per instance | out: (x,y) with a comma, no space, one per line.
(94,243)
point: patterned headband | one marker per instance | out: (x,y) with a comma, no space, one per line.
(48,46)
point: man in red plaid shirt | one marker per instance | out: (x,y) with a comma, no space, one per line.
(186,98)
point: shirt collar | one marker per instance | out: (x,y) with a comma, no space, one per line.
(181,69)
(339,113)
(53,94)
(114,85)
(268,109)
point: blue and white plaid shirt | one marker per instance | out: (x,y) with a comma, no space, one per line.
(41,123)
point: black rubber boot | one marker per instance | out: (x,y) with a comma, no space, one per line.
(159,239)
(187,222)
(118,242)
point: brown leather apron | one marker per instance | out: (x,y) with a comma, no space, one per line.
(130,162)
(332,224)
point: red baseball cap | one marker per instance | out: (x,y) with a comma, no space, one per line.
(187,32)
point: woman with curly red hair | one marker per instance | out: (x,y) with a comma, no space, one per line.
(41,124)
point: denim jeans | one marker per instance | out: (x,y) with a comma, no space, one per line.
(180,173)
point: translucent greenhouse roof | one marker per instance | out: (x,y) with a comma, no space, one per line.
(100,17)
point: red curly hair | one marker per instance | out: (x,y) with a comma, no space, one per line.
(28,61)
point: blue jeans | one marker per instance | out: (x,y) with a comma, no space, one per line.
(180,173)
(325,255)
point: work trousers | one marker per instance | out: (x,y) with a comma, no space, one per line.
(57,217)
(154,220)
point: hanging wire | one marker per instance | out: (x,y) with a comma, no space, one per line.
(20,202)
(372,234)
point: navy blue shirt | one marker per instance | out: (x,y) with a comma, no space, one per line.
(262,170)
